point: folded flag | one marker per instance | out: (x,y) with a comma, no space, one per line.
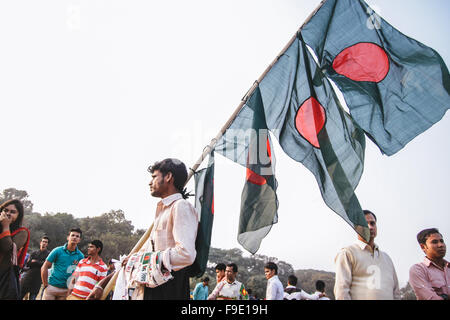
(395,87)
(247,142)
(204,204)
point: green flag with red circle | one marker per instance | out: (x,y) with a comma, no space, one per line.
(247,142)
(395,87)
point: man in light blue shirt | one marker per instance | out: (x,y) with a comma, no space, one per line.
(201,290)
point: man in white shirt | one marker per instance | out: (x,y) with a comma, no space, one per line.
(320,290)
(274,289)
(293,293)
(364,272)
(229,288)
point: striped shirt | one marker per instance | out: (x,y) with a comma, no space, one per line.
(89,274)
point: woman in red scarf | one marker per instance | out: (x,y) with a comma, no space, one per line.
(14,240)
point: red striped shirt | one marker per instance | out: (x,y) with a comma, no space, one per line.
(89,274)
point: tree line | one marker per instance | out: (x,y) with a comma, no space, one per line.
(116,233)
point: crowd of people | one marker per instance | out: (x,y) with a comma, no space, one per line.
(65,273)
(159,270)
(228,288)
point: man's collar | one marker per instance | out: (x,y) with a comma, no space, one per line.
(363,245)
(290,286)
(67,244)
(234,282)
(99,261)
(428,262)
(273,277)
(167,201)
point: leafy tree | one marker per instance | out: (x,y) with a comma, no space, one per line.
(22,195)
(112,228)
(115,232)
(56,226)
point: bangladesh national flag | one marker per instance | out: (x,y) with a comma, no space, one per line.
(204,204)
(304,113)
(247,142)
(395,87)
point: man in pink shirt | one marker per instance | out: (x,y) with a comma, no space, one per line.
(430,279)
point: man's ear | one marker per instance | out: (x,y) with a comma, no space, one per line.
(423,246)
(168,176)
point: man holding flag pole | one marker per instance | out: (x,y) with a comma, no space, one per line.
(158,268)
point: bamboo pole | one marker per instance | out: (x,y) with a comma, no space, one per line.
(207,150)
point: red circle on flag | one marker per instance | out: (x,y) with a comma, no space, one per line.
(310,119)
(362,62)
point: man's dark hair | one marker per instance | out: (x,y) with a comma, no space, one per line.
(292,279)
(423,235)
(76,230)
(46,238)
(205,279)
(370,212)
(221,266)
(271,266)
(320,285)
(19,207)
(98,244)
(178,170)
(234,266)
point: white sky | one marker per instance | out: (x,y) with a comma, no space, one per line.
(93,92)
